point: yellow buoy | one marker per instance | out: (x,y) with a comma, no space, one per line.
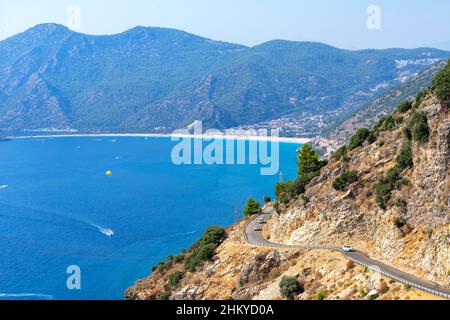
(109,172)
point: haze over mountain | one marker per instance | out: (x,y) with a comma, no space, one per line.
(158,80)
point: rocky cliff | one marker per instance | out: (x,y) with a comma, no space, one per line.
(412,232)
(395,207)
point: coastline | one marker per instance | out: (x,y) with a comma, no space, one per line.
(172,136)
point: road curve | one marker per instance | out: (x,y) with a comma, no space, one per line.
(255,238)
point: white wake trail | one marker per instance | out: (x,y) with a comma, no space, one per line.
(26,295)
(106,231)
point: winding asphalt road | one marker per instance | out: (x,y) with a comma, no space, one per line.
(255,238)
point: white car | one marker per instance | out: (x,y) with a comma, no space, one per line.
(261,220)
(257,228)
(347,249)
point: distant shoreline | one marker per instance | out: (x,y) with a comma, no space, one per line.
(180,136)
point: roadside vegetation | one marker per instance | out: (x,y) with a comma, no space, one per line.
(252,207)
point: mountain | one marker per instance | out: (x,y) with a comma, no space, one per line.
(370,113)
(386,196)
(158,80)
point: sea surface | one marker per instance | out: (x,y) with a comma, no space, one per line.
(59,208)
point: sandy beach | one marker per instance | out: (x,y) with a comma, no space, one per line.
(173,136)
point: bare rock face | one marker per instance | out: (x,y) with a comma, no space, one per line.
(188,293)
(260,267)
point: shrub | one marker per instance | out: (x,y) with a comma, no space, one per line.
(289,286)
(281,188)
(400,222)
(202,253)
(206,252)
(213,235)
(379,124)
(407,133)
(421,96)
(306,200)
(344,180)
(389,123)
(362,292)
(252,207)
(168,264)
(441,85)
(383,194)
(277,208)
(178,258)
(287,191)
(400,202)
(191,263)
(163,296)
(204,248)
(320,295)
(404,106)
(420,129)
(373,136)
(284,198)
(405,158)
(339,154)
(267,199)
(175,278)
(299,185)
(384,187)
(359,138)
(401,182)
(160,267)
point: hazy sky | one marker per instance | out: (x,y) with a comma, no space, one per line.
(404,23)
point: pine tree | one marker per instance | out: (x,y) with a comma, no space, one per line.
(252,207)
(308,161)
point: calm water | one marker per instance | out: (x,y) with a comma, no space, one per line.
(56,204)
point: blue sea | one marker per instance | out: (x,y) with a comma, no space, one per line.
(57,208)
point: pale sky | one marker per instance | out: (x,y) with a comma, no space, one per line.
(343,23)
